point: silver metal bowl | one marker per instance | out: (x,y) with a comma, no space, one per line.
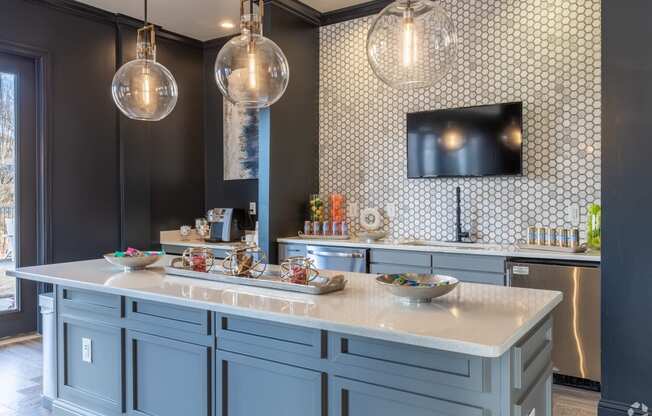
(131,263)
(371,236)
(437,285)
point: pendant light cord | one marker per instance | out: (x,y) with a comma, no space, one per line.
(145,1)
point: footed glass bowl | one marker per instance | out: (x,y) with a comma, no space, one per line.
(417,288)
(132,263)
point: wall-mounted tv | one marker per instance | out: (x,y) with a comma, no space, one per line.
(474,141)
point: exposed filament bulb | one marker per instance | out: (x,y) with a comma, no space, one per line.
(408,38)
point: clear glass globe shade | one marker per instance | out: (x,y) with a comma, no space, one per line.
(252,71)
(144,90)
(412,44)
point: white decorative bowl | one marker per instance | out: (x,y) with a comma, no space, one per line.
(131,263)
(437,285)
(371,236)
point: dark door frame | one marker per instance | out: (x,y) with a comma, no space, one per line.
(42,68)
(43,248)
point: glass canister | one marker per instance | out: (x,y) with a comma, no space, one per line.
(593,226)
(337,207)
(316,208)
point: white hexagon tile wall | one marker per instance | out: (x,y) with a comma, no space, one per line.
(545,53)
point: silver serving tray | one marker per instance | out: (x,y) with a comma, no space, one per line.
(269,280)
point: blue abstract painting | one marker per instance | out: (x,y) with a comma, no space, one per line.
(240,142)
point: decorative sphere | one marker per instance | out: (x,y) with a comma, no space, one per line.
(411,44)
(144,90)
(252,71)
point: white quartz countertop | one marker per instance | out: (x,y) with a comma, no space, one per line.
(459,248)
(475,319)
(173,238)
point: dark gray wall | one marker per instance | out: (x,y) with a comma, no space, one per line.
(84,182)
(219,193)
(289,146)
(626,197)
(97,201)
(162,163)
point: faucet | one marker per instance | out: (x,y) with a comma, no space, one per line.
(459,234)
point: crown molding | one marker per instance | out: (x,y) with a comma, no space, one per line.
(90,12)
(353,12)
(298,8)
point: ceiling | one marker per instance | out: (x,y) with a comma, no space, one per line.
(199,19)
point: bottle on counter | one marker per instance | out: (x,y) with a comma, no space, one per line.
(593,226)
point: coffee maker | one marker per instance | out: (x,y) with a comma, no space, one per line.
(225,224)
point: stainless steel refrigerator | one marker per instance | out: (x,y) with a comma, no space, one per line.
(576,332)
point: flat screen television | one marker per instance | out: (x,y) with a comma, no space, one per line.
(474,141)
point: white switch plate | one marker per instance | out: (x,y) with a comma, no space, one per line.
(353,209)
(390,211)
(573,214)
(252,208)
(87,350)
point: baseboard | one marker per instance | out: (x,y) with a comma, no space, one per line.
(613,408)
(64,408)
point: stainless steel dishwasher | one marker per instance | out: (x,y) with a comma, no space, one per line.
(576,321)
(338,258)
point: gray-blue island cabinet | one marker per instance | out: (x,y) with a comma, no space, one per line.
(120,355)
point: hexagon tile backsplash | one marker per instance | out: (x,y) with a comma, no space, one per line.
(545,53)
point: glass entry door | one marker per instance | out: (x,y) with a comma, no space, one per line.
(17,192)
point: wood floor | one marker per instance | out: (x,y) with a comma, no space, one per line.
(20,384)
(20,377)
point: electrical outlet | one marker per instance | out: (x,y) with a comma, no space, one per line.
(87,350)
(353,209)
(390,210)
(252,208)
(573,214)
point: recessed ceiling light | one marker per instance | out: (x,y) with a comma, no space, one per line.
(227,25)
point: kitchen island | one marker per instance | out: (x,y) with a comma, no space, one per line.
(148,343)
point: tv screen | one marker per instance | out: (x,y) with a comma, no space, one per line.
(474,141)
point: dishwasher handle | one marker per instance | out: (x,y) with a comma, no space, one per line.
(336,254)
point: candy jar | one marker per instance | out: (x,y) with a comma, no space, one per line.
(338,210)
(317,209)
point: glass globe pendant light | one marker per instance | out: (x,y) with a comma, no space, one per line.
(411,44)
(142,88)
(251,71)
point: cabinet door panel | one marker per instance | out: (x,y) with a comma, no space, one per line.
(354,398)
(250,386)
(167,377)
(95,384)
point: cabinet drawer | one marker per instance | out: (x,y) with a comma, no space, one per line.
(236,333)
(406,258)
(71,299)
(469,262)
(289,250)
(180,318)
(532,355)
(94,384)
(538,400)
(380,268)
(405,365)
(473,276)
(354,398)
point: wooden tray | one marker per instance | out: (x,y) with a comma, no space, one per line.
(554,249)
(269,280)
